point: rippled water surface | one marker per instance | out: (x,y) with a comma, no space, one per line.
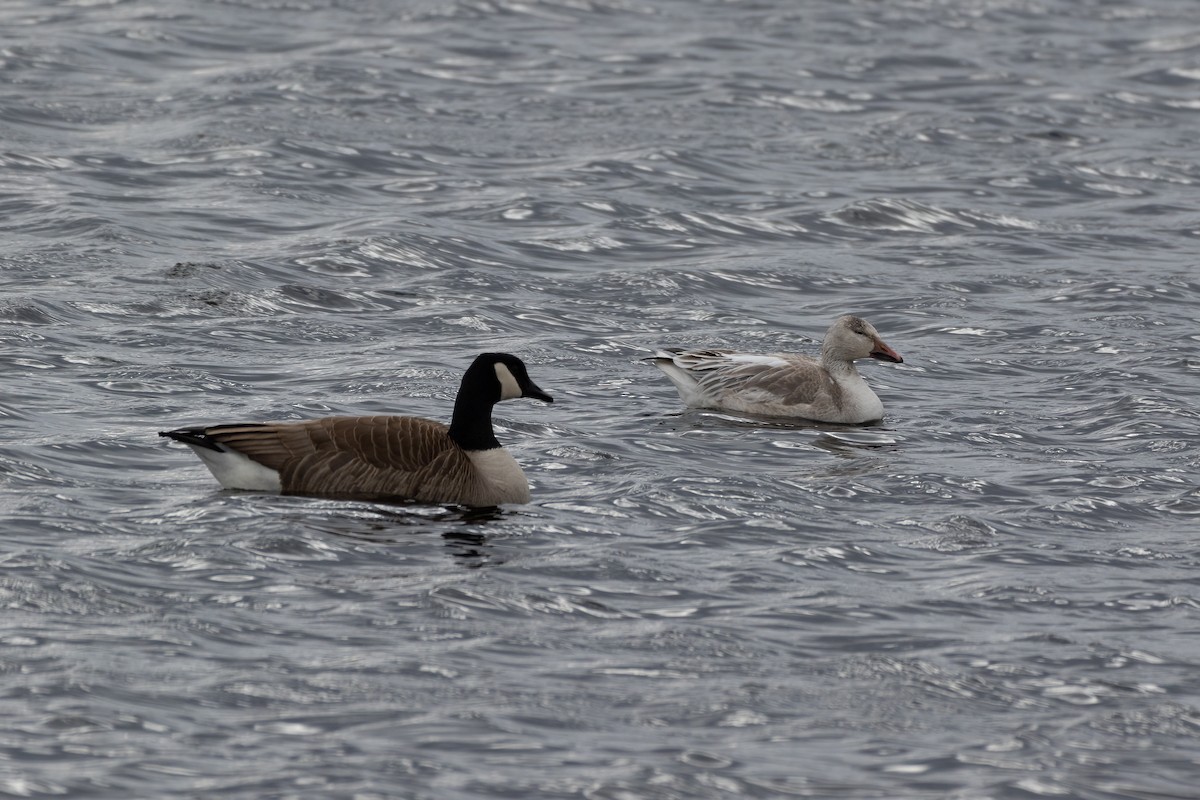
(221,211)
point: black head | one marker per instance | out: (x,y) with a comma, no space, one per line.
(507,376)
(492,377)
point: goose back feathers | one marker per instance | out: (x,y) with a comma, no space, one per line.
(825,389)
(381,456)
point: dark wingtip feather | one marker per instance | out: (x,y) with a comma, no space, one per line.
(196,436)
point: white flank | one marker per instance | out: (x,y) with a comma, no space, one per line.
(236,471)
(693,396)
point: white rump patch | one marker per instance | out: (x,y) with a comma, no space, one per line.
(234,470)
(509,388)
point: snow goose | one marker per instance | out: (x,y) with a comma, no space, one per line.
(381,457)
(828,389)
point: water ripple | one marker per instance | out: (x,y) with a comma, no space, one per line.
(249,214)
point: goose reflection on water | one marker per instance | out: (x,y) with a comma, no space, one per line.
(396,523)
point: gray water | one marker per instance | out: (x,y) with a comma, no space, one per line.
(228,211)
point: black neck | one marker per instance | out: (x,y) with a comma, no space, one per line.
(471,425)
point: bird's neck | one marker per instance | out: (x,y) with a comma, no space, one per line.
(471,425)
(836,365)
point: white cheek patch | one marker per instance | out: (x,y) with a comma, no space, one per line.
(509,388)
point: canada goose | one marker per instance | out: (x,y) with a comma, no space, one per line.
(381,457)
(785,384)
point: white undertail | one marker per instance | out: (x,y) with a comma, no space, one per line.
(236,471)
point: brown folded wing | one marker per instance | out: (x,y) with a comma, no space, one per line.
(381,456)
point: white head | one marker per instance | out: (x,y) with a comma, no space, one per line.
(851,338)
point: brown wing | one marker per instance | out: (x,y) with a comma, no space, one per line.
(381,456)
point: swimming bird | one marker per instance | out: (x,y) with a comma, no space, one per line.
(828,389)
(381,457)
